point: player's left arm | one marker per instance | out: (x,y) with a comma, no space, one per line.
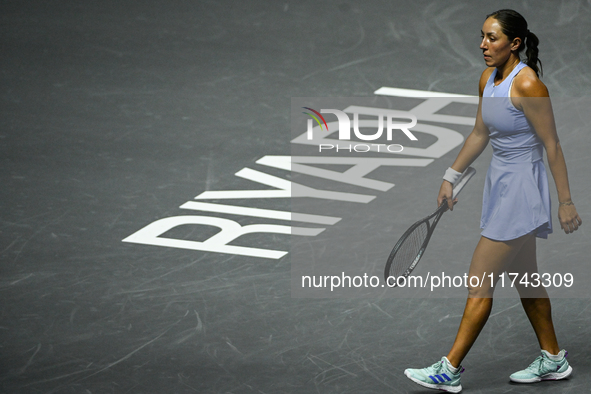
(531,96)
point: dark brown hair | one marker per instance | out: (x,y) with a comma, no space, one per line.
(514,25)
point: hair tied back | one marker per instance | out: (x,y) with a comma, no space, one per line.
(513,25)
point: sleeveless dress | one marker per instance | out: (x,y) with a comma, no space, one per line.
(516,199)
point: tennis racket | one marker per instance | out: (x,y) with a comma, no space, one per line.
(410,247)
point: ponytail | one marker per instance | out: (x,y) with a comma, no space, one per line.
(531,53)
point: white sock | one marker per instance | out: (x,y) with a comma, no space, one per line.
(554,357)
(451,367)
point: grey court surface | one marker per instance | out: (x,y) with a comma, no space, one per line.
(116,113)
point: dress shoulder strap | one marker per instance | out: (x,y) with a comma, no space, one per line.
(502,89)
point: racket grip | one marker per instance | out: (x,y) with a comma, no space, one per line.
(459,185)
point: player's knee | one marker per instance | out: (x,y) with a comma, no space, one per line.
(480,291)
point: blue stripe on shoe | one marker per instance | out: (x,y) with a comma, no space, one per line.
(440,379)
(432,378)
(446,377)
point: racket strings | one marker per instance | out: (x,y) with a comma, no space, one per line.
(405,255)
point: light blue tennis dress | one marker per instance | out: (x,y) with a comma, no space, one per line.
(516,198)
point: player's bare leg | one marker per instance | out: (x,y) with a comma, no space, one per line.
(489,257)
(535,299)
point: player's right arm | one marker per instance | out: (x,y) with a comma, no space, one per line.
(472,148)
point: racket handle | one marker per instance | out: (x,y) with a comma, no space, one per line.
(459,185)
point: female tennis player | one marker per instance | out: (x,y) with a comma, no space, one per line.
(515,115)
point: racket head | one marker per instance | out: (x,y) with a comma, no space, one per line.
(410,247)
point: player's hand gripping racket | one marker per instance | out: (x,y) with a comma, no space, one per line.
(410,247)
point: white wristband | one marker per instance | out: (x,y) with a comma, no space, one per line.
(452,175)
